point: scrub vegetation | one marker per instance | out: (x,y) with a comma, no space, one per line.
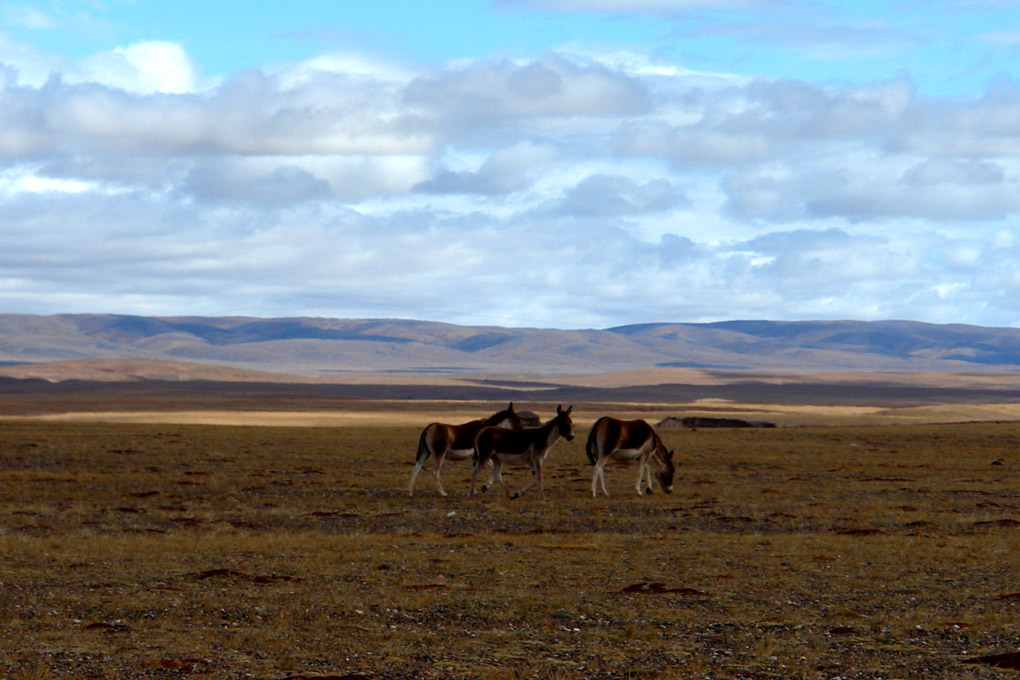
(166,551)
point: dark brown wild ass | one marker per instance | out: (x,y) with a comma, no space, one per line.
(624,441)
(528,447)
(456,442)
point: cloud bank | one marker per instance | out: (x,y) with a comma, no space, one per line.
(563,191)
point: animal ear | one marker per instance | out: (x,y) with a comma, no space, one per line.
(559,409)
(669,455)
(569,409)
(510,407)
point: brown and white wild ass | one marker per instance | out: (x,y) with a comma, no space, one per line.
(456,442)
(528,447)
(624,441)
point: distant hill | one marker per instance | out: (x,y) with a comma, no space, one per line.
(315,346)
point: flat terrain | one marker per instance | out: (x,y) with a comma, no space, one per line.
(167,550)
(136,391)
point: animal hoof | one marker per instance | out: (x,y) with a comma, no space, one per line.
(515,496)
(484,488)
(648,490)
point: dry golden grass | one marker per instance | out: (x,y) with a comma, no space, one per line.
(406,414)
(170,550)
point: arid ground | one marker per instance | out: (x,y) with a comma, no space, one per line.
(867,544)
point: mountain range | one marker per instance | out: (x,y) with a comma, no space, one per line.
(334,347)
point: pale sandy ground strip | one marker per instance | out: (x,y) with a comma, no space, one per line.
(406,415)
(120,370)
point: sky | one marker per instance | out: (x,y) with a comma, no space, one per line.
(539,163)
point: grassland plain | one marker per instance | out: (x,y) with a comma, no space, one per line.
(167,551)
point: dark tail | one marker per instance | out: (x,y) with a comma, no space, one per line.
(423,449)
(476,455)
(589,448)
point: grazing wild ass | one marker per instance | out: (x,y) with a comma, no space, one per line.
(624,441)
(457,442)
(528,447)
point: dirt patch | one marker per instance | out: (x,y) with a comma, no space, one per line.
(694,422)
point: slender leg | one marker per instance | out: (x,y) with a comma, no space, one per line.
(640,475)
(600,474)
(424,450)
(528,485)
(648,474)
(497,474)
(475,467)
(488,485)
(414,475)
(538,475)
(440,459)
(596,475)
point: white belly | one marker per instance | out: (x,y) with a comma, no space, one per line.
(459,454)
(626,455)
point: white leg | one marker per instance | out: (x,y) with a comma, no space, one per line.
(414,476)
(439,466)
(488,485)
(599,476)
(640,475)
(475,469)
(418,465)
(497,475)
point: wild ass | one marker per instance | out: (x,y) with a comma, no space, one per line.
(624,441)
(456,442)
(528,447)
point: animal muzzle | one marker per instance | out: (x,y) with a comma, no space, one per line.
(668,489)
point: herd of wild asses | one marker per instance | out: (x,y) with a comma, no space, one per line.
(501,439)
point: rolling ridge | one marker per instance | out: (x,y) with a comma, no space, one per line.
(318,346)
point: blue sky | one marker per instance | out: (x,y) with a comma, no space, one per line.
(952,47)
(558,163)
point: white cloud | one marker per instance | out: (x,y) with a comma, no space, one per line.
(23,181)
(652,68)
(988,126)
(348,64)
(249,114)
(489,95)
(143,68)
(505,171)
(561,190)
(871,188)
(605,196)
